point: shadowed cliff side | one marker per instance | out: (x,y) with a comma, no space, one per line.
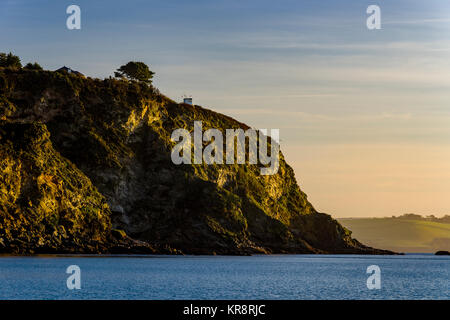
(115,135)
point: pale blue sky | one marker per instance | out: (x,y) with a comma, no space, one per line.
(364,115)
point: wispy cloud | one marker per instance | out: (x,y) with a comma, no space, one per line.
(418,21)
(323,117)
(294,41)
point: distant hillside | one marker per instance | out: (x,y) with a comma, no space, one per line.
(407,233)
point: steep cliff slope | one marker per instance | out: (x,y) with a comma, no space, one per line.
(117,135)
(46,202)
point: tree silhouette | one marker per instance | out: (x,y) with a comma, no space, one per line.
(133,70)
(10,60)
(33,66)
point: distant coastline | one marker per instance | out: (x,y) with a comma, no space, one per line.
(411,233)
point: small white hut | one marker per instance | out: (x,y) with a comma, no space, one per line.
(187,100)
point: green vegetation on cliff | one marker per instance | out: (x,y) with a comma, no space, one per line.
(46,203)
(103,160)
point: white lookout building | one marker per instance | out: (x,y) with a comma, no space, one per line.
(187,100)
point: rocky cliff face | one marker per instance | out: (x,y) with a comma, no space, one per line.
(83,159)
(46,202)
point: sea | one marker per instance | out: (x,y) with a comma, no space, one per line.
(287,277)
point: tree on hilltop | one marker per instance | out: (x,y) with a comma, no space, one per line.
(10,60)
(133,70)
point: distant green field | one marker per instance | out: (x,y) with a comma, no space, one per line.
(400,235)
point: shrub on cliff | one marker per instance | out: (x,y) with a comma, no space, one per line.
(33,66)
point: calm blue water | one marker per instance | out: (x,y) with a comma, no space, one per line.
(223,277)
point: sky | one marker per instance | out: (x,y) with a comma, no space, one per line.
(364,115)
